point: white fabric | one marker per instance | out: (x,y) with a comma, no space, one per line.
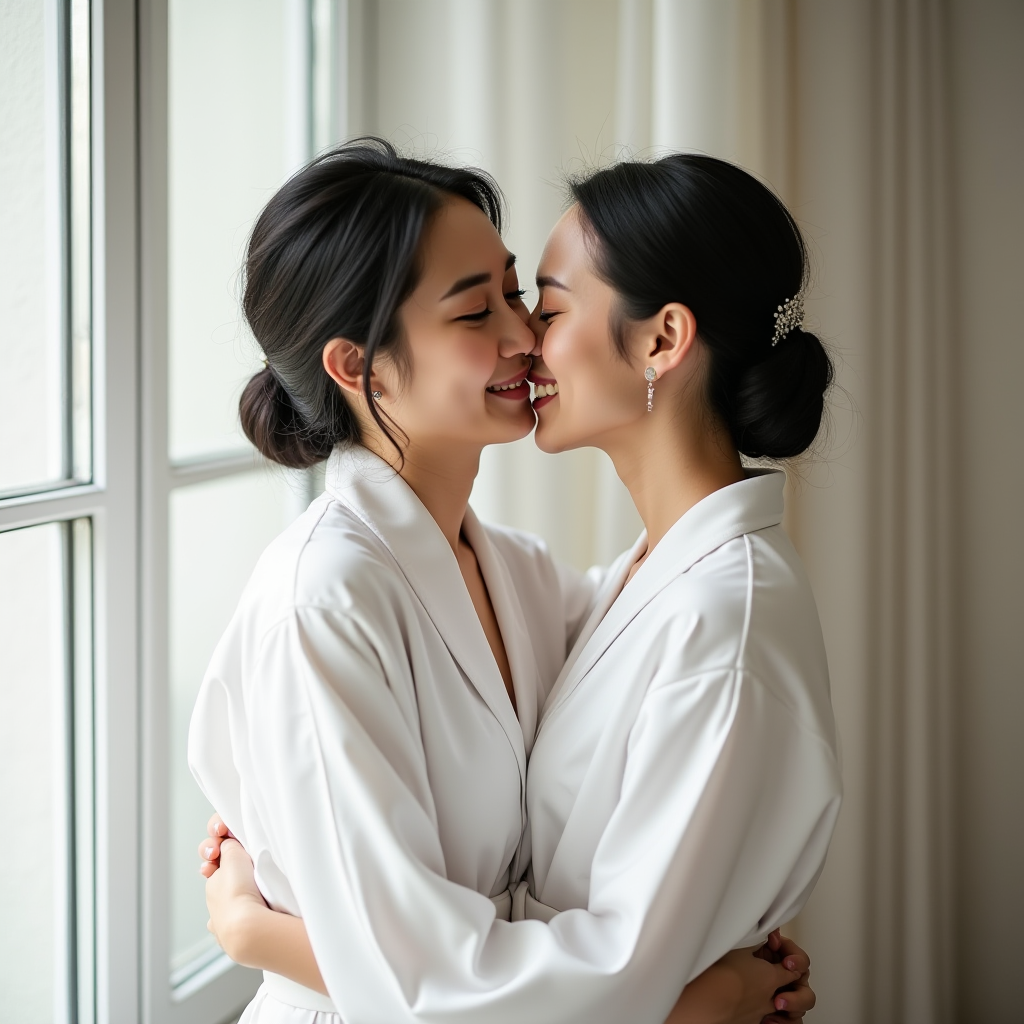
(354,731)
(374,760)
(685,782)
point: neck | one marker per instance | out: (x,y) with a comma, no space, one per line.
(669,466)
(442,477)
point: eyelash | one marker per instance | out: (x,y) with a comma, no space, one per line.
(485,313)
(547,315)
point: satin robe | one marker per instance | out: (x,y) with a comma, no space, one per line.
(355,733)
(685,782)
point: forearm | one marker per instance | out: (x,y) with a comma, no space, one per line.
(276,942)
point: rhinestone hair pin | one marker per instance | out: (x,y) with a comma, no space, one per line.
(788,317)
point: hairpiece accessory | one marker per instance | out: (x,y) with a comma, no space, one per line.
(788,317)
(266,363)
(651,375)
(377,395)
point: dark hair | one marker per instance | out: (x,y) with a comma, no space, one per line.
(334,254)
(703,232)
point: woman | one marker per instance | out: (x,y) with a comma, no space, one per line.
(374,757)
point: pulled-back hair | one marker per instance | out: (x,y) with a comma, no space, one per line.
(334,254)
(702,232)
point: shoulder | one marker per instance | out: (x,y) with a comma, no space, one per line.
(328,558)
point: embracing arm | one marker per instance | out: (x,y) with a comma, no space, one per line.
(734,989)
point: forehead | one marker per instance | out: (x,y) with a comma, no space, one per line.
(458,241)
(566,248)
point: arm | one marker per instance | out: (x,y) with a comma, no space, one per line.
(739,987)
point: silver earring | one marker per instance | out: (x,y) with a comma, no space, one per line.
(651,375)
(377,395)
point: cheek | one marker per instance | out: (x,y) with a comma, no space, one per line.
(449,378)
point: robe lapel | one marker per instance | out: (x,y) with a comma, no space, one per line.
(744,507)
(511,622)
(386,504)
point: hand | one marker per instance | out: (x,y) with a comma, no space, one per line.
(738,989)
(234,901)
(209,848)
(794,1000)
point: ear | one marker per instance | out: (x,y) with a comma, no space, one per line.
(668,337)
(344,362)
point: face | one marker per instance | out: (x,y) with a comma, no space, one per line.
(598,393)
(467,342)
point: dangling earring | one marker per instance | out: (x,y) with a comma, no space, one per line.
(651,374)
(377,395)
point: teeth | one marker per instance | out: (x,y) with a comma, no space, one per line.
(506,387)
(546,389)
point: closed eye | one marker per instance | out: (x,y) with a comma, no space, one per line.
(547,315)
(517,294)
(475,317)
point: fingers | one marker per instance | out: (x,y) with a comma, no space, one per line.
(800,999)
(207,869)
(774,940)
(784,978)
(216,827)
(209,848)
(788,949)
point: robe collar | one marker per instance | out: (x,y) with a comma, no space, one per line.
(746,506)
(389,507)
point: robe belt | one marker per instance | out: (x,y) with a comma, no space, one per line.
(291,993)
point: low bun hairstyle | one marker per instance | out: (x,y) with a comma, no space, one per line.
(705,233)
(334,254)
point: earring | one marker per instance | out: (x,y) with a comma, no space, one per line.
(377,395)
(651,374)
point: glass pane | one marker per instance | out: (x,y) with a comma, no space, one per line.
(217,532)
(228,151)
(33,744)
(31,276)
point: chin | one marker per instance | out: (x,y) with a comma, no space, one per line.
(546,439)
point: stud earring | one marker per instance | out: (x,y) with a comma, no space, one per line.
(377,395)
(651,374)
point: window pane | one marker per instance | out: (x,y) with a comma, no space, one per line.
(227,152)
(33,745)
(217,532)
(31,299)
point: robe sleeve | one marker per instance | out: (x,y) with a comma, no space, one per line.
(341,783)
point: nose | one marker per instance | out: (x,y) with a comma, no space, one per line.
(516,336)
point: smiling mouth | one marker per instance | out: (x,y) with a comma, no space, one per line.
(497,388)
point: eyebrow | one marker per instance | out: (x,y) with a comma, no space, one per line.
(465,283)
(551,282)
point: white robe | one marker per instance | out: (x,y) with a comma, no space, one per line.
(684,784)
(338,788)
(355,733)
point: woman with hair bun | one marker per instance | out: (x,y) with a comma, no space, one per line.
(353,729)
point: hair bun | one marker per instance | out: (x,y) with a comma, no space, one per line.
(778,403)
(277,429)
